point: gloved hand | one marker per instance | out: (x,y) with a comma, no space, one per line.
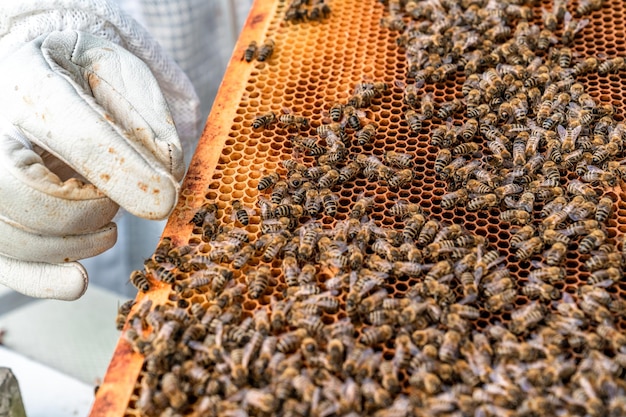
(85,129)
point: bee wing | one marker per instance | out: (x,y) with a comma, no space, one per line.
(581,25)
(594,169)
(604,284)
(567,18)
(562,132)
(538,264)
(400,84)
(374,160)
(574,108)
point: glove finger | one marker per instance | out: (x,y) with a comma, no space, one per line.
(135,163)
(20,243)
(32,195)
(66,281)
(126,89)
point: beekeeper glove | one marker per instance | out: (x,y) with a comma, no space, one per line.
(84,128)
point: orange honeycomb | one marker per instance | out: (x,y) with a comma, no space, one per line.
(316,64)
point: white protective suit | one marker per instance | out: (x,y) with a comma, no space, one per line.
(92,111)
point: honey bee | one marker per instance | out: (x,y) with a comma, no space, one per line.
(448,109)
(308,238)
(411,95)
(310,145)
(263,121)
(398,159)
(405,209)
(581,227)
(594,239)
(541,290)
(612,336)
(268,181)
(140,281)
(266,50)
(171,388)
(452,168)
(288,210)
(258,280)
(279,312)
(482,201)
(260,400)
(276,244)
(372,302)
(604,209)
(299,195)
(454,198)
(465,311)
(586,66)
(250,51)
(290,341)
(466,148)
(528,248)
(385,249)
(603,259)
(374,335)
(598,175)
(353,117)
(580,117)
(319,11)
(279,191)
(243,256)
(414,120)
(291,120)
(204,216)
(240,213)
(335,350)
(361,207)
(413,226)
(612,65)
(571,28)
(366,134)
(329,201)
(587,6)
(313,202)
(571,159)
(428,232)
(546,273)
(329,179)
(527,317)
(568,137)
(513,216)
(576,187)
(266,353)
(122,313)
(295,13)
(611,274)
(439,270)
(555,254)
(164,275)
(336,112)
(444,157)
(499,301)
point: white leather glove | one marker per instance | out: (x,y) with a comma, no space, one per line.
(84,129)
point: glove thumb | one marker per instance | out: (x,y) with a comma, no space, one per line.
(64,281)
